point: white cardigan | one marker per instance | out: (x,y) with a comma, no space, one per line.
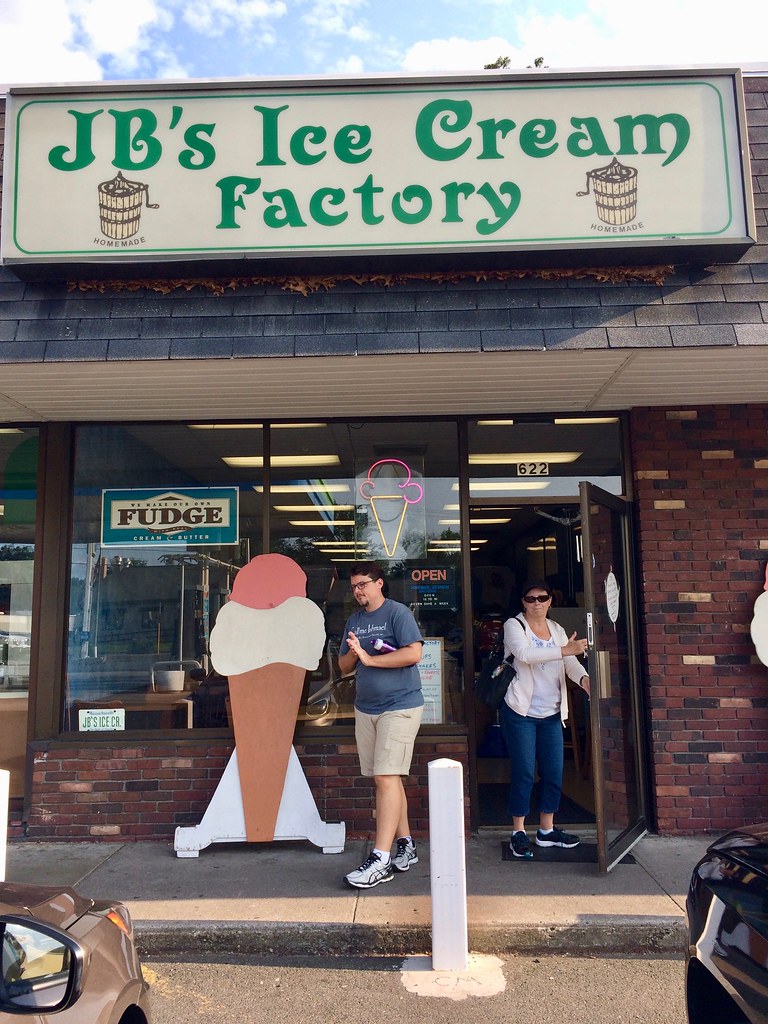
(519,641)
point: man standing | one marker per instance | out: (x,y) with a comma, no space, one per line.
(382,644)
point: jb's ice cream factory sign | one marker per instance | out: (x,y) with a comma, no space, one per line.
(321,167)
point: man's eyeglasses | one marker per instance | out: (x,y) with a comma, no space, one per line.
(541,598)
(359,586)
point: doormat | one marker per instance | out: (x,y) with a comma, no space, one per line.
(493,807)
(584,853)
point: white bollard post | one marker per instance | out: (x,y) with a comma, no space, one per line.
(5,789)
(448,875)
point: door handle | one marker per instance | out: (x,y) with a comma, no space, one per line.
(603,666)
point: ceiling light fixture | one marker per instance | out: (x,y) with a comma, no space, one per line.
(308,488)
(343,543)
(506,485)
(311,508)
(321,522)
(253,426)
(512,458)
(280,461)
(573,421)
(473,522)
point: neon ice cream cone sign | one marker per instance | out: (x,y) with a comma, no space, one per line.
(380,489)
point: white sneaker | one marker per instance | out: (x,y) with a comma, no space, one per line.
(370,873)
(405,856)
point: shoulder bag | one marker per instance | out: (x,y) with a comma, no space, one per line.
(494,678)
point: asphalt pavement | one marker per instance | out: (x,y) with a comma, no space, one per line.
(289,897)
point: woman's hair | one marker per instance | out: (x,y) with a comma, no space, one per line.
(366,569)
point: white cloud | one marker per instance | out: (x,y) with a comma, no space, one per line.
(601,33)
(332,18)
(124,41)
(656,32)
(167,65)
(216,17)
(87,40)
(37,44)
(456,54)
(71,40)
(352,65)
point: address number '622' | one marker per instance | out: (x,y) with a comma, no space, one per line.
(533,469)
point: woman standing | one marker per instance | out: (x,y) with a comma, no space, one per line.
(534,711)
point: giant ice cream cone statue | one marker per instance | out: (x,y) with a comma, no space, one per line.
(265,640)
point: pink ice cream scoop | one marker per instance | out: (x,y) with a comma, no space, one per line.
(268,580)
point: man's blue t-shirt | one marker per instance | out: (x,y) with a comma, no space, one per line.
(385,689)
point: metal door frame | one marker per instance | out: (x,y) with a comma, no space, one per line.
(610,853)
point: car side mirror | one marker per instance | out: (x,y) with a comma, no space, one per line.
(41,970)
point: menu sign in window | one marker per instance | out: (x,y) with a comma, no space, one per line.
(431,672)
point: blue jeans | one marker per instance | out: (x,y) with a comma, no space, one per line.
(533,742)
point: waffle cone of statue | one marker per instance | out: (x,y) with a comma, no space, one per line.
(266,638)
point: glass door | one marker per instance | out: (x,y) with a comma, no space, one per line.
(615,704)
(511,543)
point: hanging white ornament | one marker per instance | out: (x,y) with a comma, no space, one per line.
(612,590)
(759,626)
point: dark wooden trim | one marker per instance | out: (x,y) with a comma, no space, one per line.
(50,593)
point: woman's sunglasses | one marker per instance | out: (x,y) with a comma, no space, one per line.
(532,598)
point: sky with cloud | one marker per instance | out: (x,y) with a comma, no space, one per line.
(44,41)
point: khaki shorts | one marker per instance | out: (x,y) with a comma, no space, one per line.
(385,741)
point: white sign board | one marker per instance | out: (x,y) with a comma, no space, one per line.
(101,719)
(492,163)
(431,672)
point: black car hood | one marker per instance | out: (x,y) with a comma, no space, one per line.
(59,906)
(748,845)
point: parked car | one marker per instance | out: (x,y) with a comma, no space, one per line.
(70,956)
(727,916)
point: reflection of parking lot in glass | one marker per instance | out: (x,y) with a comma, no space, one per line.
(33,962)
(14,639)
(14,660)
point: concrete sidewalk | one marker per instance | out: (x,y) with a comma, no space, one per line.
(289,898)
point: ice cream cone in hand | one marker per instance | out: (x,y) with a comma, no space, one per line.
(265,640)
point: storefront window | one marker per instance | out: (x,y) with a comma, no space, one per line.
(148,577)
(543,458)
(386,492)
(18,495)
(151,565)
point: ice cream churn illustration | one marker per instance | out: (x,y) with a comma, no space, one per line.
(120,203)
(615,190)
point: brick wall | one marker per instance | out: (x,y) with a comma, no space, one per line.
(139,791)
(701,479)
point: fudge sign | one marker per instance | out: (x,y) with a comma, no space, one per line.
(204,515)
